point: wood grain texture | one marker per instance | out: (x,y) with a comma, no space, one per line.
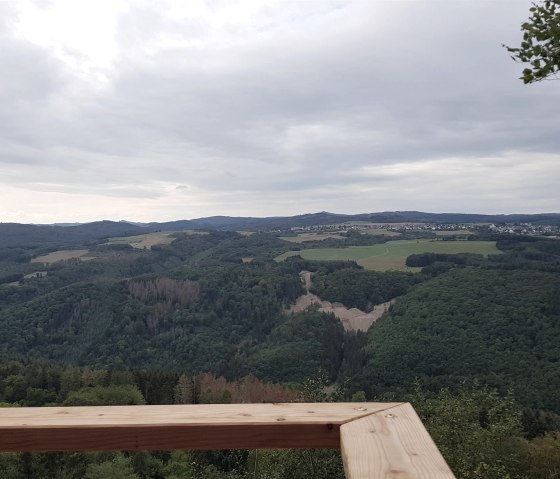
(216,426)
(378,440)
(391,444)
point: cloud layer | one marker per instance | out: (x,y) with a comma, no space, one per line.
(167,110)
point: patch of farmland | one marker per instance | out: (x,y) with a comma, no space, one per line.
(62,255)
(143,241)
(380,232)
(392,255)
(146,241)
(300,238)
(454,233)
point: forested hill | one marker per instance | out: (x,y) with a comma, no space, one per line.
(25,235)
(497,327)
(216,302)
(326,218)
(462,317)
(15,234)
(192,305)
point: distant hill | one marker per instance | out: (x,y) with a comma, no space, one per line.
(326,218)
(15,234)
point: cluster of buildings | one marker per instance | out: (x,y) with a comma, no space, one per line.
(526,229)
(358,226)
(460,228)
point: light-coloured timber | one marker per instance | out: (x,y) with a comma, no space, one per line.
(378,440)
(391,444)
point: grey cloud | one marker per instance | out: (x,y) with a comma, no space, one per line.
(303,101)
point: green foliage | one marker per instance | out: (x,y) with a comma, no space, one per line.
(296,464)
(105,396)
(121,324)
(542,457)
(302,345)
(179,466)
(193,306)
(539,422)
(117,468)
(540,47)
(357,288)
(527,253)
(476,431)
(10,466)
(425,259)
(391,256)
(319,389)
(497,326)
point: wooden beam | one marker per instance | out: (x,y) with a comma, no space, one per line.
(391,444)
(378,440)
(208,426)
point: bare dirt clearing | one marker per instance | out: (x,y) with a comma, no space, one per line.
(352,319)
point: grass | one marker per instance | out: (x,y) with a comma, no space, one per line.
(392,255)
(380,232)
(62,255)
(321,235)
(140,241)
(149,239)
(300,238)
(453,233)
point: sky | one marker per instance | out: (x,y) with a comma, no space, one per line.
(156,111)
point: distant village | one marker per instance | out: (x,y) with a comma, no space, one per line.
(526,229)
(529,229)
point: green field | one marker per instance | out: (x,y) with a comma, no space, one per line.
(302,237)
(62,255)
(392,255)
(322,235)
(149,239)
(143,241)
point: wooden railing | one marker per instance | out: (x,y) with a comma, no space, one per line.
(377,440)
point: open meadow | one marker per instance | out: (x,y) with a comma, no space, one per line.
(322,235)
(62,255)
(143,241)
(392,255)
(319,236)
(150,239)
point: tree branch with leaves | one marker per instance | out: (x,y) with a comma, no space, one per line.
(540,47)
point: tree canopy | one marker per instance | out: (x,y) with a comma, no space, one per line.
(540,47)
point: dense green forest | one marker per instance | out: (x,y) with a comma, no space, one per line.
(205,319)
(499,327)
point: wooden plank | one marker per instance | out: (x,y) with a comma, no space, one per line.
(391,444)
(215,426)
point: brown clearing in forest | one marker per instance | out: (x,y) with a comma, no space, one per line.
(150,241)
(352,319)
(63,255)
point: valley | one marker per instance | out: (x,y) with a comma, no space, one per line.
(215,315)
(352,319)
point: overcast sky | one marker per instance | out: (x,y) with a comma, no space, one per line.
(182,109)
